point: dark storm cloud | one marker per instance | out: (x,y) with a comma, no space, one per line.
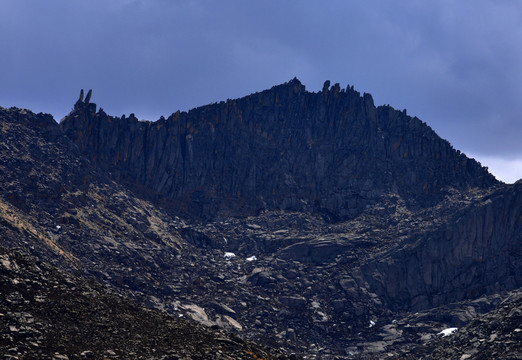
(455,64)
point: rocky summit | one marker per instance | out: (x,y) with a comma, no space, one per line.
(285,224)
(330,152)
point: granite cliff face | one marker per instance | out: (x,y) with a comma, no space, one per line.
(285,148)
(476,251)
(312,222)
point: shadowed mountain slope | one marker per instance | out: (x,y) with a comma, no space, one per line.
(285,148)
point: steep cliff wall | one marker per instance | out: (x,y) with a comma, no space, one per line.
(283,148)
(476,252)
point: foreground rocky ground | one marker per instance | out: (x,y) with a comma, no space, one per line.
(49,314)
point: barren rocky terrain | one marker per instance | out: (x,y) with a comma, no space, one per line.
(49,314)
(310,223)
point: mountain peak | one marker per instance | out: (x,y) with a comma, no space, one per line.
(331,151)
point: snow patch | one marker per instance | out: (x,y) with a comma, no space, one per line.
(448,331)
(229,255)
(252,258)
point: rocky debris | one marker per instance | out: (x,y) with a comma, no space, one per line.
(476,252)
(335,298)
(48,314)
(331,152)
(416,335)
(495,335)
(54,203)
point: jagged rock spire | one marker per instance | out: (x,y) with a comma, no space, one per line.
(326,86)
(88,97)
(85,104)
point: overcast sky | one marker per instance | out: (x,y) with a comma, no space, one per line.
(457,65)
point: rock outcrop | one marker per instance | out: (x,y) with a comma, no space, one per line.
(477,251)
(495,335)
(332,152)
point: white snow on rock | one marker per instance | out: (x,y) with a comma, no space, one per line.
(229,255)
(448,331)
(316,304)
(252,258)
(372,323)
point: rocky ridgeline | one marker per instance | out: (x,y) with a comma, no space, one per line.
(331,152)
